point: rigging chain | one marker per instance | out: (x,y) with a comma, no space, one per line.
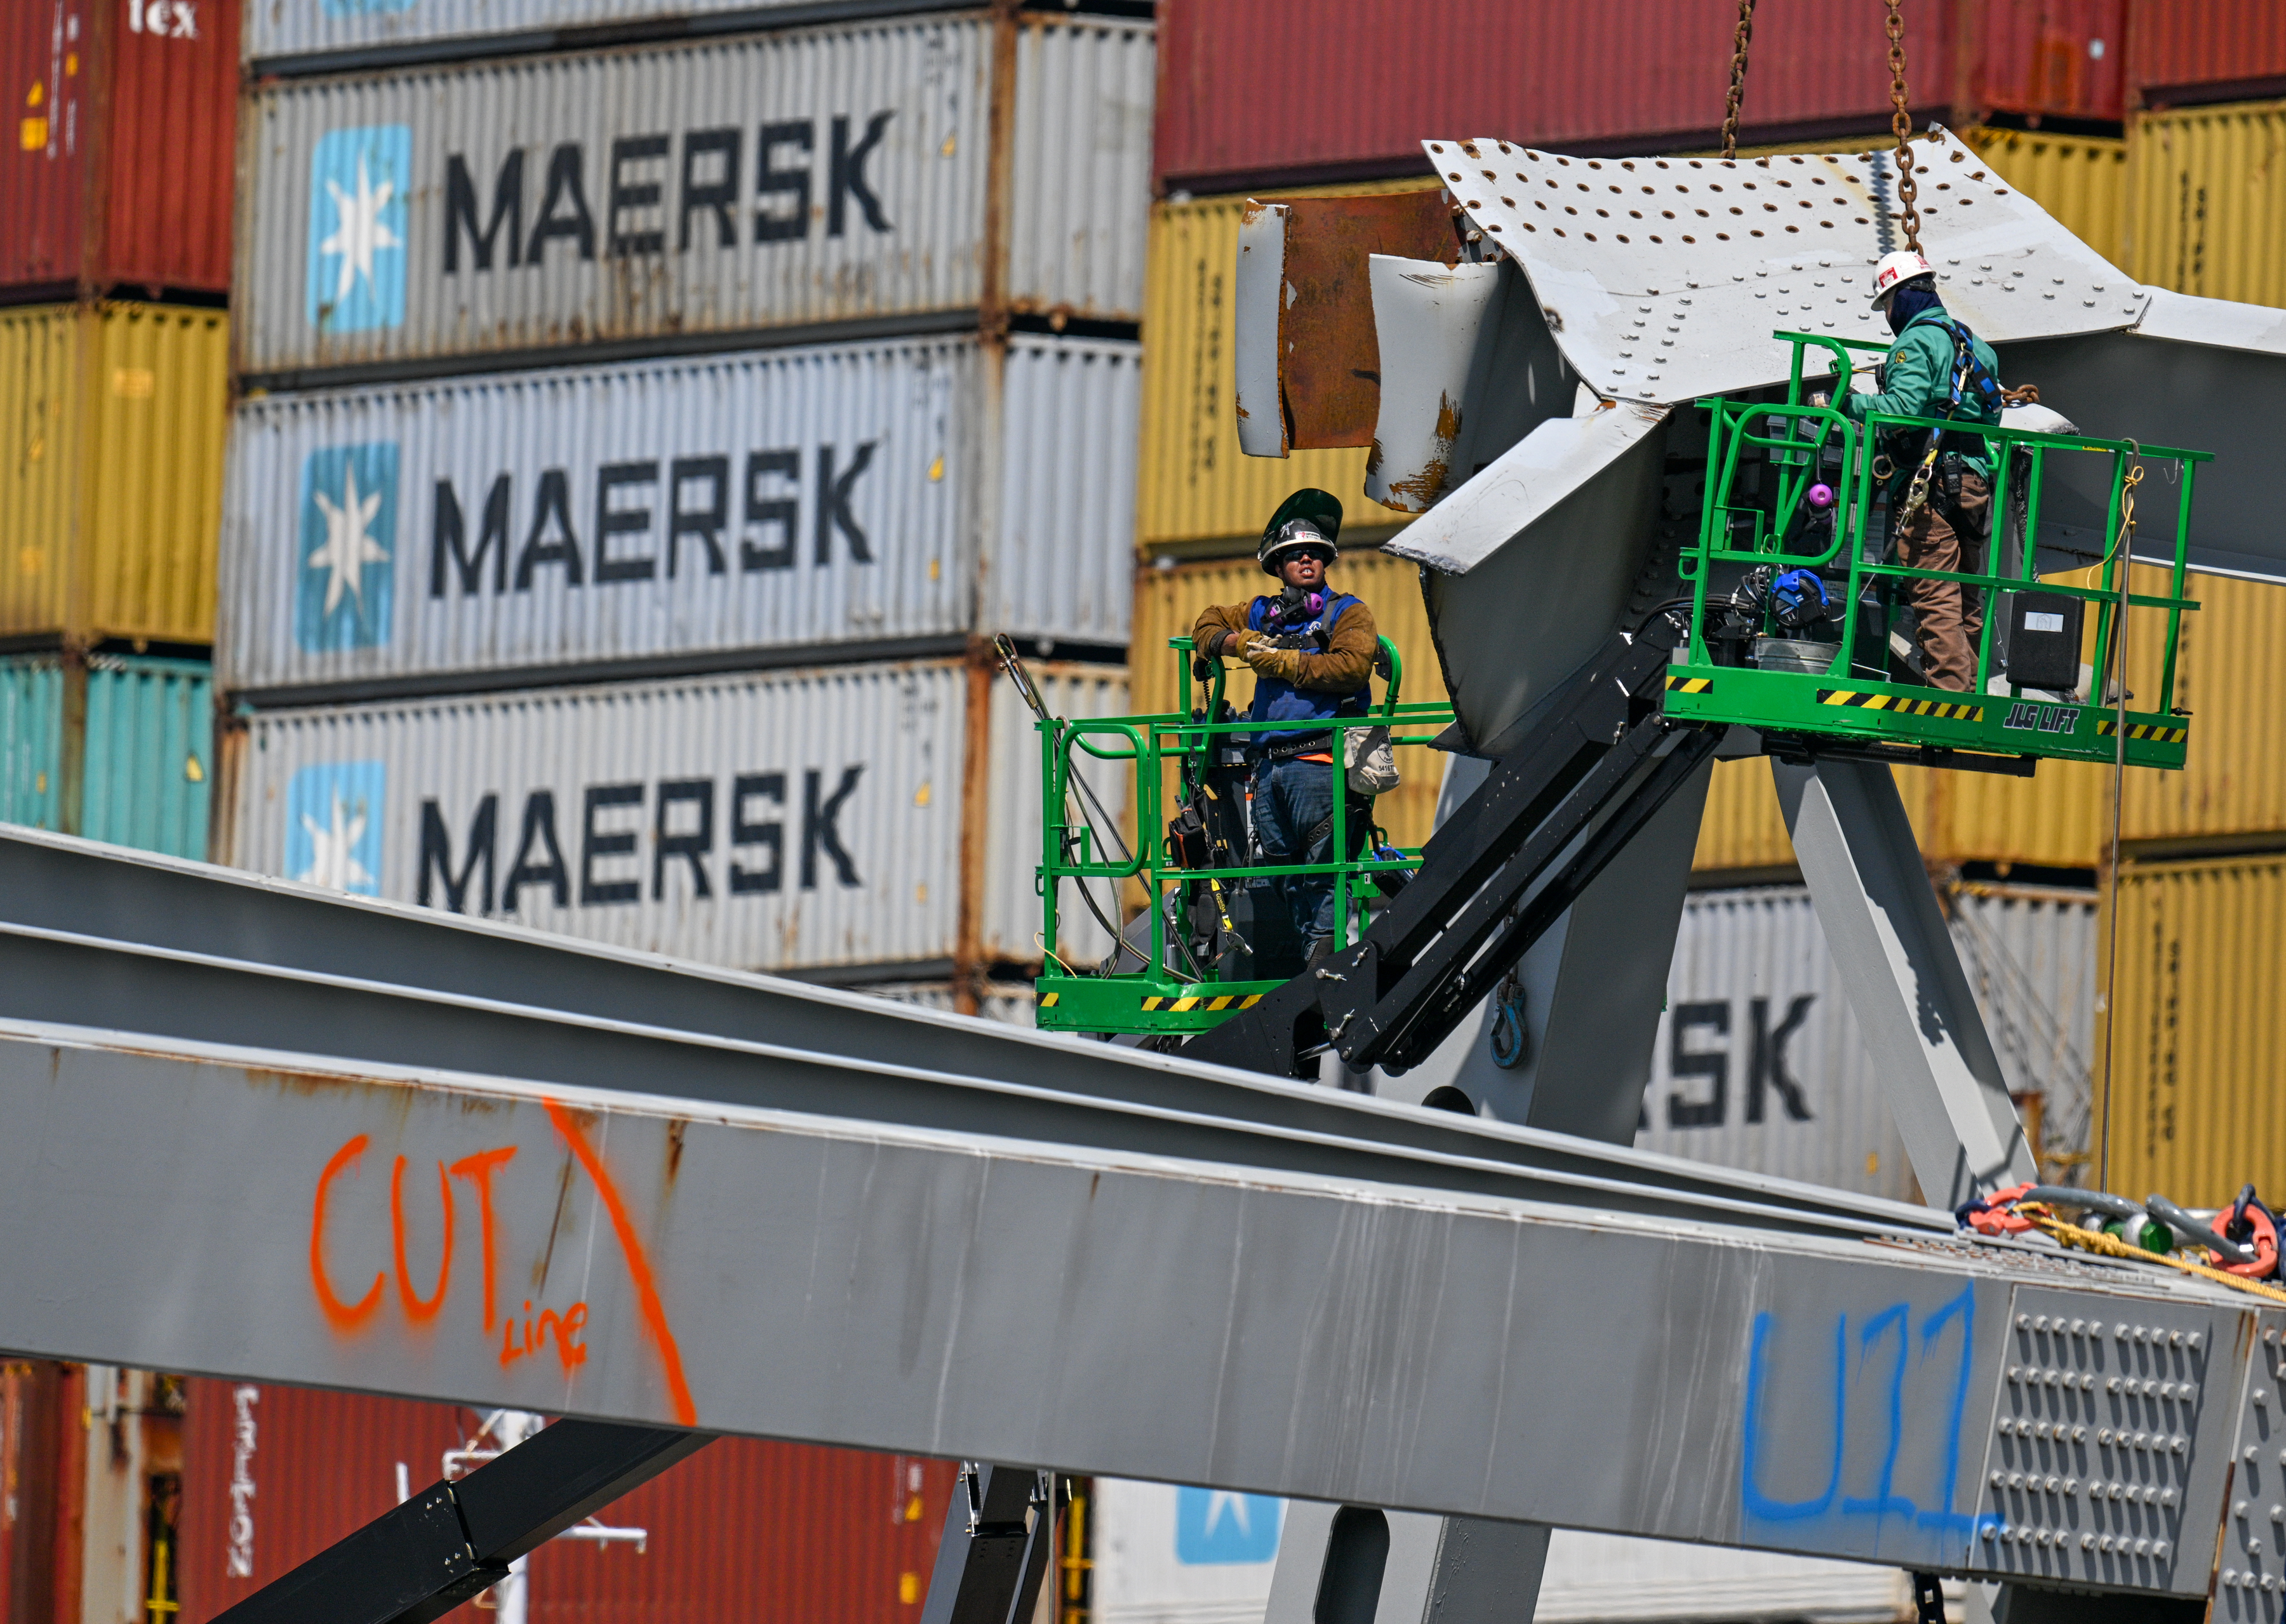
(1901,125)
(1739,41)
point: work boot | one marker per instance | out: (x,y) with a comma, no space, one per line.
(1320,951)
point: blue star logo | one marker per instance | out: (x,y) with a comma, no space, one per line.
(359,180)
(1219,1526)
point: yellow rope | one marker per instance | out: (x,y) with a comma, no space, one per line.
(2112,1246)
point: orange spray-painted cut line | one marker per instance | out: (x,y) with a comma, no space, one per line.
(345,1316)
(415,1309)
(654,1311)
(478,1169)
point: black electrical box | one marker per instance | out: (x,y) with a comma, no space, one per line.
(2043,631)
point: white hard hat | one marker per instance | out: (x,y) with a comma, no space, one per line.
(1902,266)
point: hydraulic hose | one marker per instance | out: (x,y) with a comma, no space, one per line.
(2087,1201)
(2199,1234)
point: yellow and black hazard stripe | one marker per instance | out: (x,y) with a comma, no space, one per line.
(1048,1000)
(2144,730)
(1689,685)
(1900,705)
(1185,1005)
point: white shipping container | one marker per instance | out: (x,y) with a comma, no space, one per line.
(1760,1063)
(1190,1555)
(794,820)
(283,35)
(800,821)
(1012,839)
(495,210)
(678,510)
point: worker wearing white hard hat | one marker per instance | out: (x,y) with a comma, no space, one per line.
(1936,368)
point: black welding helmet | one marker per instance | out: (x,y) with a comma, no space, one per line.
(1310,517)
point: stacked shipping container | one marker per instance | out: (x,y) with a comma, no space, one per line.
(820,369)
(771,1533)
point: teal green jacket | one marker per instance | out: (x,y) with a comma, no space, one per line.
(1917,381)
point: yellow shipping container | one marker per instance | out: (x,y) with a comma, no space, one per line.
(1167,604)
(2207,200)
(2081,180)
(2197,1031)
(1195,483)
(111,498)
(2230,674)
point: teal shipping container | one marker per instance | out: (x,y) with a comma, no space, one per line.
(115,748)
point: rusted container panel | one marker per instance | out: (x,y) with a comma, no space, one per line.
(774,499)
(33,1459)
(1011,835)
(1167,604)
(2207,52)
(519,206)
(117,174)
(112,493)
(2206,214)
(2061,59)
(801,819)
(777,1534)
(2196,1030)
(2081,180)
(1357,87)
(1195,485)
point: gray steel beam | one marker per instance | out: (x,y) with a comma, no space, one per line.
(1913,1001)
(99,937)
(675,1262)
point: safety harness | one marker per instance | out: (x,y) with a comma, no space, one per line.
(1970,375)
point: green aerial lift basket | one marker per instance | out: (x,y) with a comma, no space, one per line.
(1175,974)
(1763,460)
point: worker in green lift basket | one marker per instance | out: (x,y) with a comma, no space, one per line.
(1311,649)
(1936,368)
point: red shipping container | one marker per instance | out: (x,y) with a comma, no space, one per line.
(118,174)
(2053,59)
(1258,92)
(36,1550)
(2182,53)
(762,1533)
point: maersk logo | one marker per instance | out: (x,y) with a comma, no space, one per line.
(348,547)
(358,181)
(1214,1527)
(332,825)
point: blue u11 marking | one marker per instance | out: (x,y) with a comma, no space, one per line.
(1884,1502)
(1891,1323)
(1758,1503)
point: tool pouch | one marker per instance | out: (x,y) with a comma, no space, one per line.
(1187,833)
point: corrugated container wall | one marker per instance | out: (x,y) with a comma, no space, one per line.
(679,510)
(2206,209)
(764,1533)
(1080,166)
(37,1421)
(485,211)
(2060,58)
(134,769)
(1760,1063)
(2181,53)
(1012,837)
(295,32)
(111,491)
(2197,1031)
(1357,87)
(1169,1555)
(1167,604)
(794,820)
(119,178)
(1196,486)
(2231,669)
(2081,180)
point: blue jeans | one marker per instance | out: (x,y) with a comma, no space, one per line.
(1291,800)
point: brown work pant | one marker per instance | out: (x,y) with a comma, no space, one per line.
(1949,619)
